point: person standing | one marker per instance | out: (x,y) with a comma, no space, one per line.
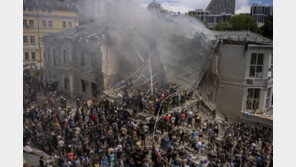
(214,114)
(143,137)
(193,134)
(197,122)
(104,161)
(189,121)
(200,133)
(203,147)
(182,118)
(112,160)
(41,162)
(77,103)
(182,137)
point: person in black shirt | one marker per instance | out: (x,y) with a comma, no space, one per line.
(41,162)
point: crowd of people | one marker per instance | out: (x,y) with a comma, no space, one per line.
(220,143)
(104,132)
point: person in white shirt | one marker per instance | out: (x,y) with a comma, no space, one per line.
(145,128)
(69,164)
(253,146)
(147,120)
(49,111)
(190,113)
(135,125)
(61,143)
(119,147)
(230,164)
(173,119)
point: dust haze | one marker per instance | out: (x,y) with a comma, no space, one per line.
(181,47)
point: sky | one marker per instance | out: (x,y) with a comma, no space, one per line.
(183,6)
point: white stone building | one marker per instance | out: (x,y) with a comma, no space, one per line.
(243,64)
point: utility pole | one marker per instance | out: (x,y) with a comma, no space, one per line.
(150,70)
(150,55)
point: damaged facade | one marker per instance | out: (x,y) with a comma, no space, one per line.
(109,50)
(82,65)
(233,70)
(240,78)
(72,68)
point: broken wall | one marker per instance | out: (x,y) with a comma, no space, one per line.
(181,47)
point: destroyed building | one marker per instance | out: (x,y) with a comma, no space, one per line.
(240,77)
(233,70)
(91,58)
(83,64)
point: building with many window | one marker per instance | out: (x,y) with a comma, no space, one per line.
(84,60)
(40,18)
(243,62)
(260,12)
(81,62)
(216,11)
(72,67)
(218,7)
(209,19)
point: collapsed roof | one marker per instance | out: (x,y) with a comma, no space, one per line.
(181,47)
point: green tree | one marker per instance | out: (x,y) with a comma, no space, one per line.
(223,26)
(36,72)
(238,23)
(267,28)
(243,22)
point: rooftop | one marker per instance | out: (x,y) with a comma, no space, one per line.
(242,36)
(57,4)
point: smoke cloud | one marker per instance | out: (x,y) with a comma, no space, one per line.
(181,46)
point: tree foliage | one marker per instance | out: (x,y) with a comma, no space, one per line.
(243,22)
(36,72)
(267,28)
(238,23)
(246,22)
(223,26)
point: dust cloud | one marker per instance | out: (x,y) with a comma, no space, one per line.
(181,47)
